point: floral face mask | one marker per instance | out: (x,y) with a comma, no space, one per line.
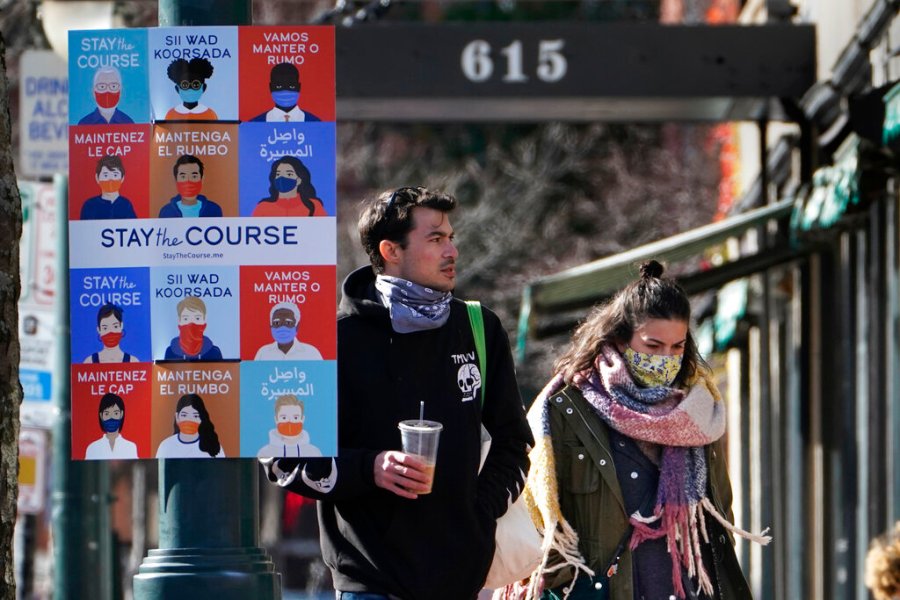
(653,370)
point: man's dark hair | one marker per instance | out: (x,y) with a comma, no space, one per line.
(196,68)
(110,162)
(187,159)
(389,217)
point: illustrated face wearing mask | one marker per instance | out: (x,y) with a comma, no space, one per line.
(110,331)
(191,326)
(110,180)
(190,90)
(286,179)
(289,420)
(188,181)
(284,326)
(655,352)
(285,93)
(111,419)
(188,421)
(107,89)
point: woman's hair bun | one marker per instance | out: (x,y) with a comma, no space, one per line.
(651,268)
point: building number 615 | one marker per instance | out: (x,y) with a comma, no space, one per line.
(478,65)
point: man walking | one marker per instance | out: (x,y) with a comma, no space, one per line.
(403,339)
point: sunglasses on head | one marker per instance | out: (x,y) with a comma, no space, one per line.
(394,194)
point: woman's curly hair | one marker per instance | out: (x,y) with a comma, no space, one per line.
(883,566)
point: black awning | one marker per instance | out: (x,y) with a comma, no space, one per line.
(571,71)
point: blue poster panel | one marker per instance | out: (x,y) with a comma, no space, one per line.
(194,73)
(108,81)
(110,311)
(287,408)
(287,169)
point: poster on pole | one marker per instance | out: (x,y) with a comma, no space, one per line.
(202,244)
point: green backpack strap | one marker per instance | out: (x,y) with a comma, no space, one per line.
(476,320)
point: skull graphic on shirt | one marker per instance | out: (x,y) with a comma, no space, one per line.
(469,380)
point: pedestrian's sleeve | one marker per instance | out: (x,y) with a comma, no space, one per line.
(503,476)
(324,478)
(721,482)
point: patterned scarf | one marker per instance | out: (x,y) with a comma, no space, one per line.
(413,307)
(681,421)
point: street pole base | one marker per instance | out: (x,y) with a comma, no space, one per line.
(207,574)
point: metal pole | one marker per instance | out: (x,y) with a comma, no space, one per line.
(208,509)
(81,523)
(205,12)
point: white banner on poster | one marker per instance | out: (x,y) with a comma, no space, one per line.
(174,242)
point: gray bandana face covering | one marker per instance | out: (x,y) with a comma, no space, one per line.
(413,307)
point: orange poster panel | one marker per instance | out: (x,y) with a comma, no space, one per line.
(196,410)
(194,170)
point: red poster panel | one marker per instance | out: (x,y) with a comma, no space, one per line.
(305,290)
(108,172)
(286,73)
(111,411)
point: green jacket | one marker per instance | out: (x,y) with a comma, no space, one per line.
(591,499)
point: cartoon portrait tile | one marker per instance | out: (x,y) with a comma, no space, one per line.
(111,411)
(108,77)
(108,169)
(110,312)
(190,163)
(195,312)
(196,410)
(271,300)
(287,73)
(287,169)
(289,408)
(194,73)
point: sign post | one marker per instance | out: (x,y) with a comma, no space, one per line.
(212,544)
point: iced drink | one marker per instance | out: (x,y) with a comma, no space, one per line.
(421,439)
